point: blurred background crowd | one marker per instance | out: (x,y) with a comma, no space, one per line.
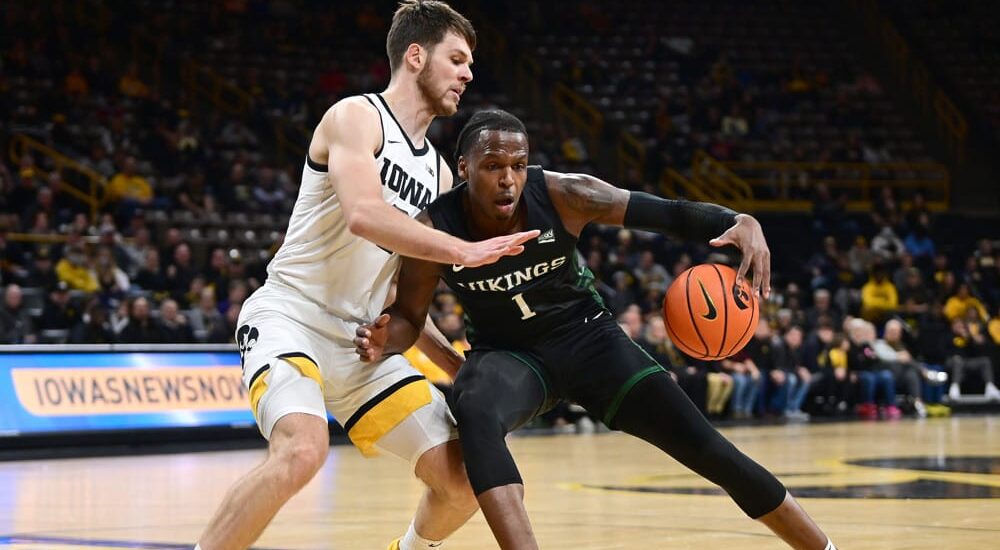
(148,174)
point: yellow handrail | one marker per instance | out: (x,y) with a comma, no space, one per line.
(584,117)
(93,197)
(631,154)
(913,75)
(721,182)
(207,83)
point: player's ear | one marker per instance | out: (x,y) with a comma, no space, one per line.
(463,169)
(415,56)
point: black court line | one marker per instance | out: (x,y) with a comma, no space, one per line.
(68,541)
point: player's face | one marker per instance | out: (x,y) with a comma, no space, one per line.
(496,170)
(443,78)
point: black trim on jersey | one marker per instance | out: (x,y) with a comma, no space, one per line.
(257,374)
(382,396)
(380,122)
(416,152)
(438,175)
(316,166)
(298,354)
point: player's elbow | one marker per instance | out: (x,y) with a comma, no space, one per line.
(360,221)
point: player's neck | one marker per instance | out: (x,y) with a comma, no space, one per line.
(410,109)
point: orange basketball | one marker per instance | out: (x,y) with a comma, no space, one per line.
(707,315)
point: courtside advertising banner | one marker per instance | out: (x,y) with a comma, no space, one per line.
(79,392)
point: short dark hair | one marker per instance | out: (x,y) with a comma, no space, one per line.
(491,119)
(424,22)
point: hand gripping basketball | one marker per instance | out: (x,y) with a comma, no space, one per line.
(747,235)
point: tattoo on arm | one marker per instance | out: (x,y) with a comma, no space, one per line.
(587,196)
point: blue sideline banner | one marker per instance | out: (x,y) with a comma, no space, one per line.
(70,391)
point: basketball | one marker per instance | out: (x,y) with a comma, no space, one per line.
(707,315)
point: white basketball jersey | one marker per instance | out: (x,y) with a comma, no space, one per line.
(345,274)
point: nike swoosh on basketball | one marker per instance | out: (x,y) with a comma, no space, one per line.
(712,313)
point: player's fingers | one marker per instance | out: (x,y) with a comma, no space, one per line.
(362,332)
(522,237)
(382,321)
(721,240)
(513,250)
(765,275)
(741,273)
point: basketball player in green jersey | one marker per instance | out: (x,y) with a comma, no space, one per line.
(540,333)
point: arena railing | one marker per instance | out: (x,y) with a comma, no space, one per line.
(93,196)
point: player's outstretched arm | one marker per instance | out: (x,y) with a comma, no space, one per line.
(352,132)
(582,199)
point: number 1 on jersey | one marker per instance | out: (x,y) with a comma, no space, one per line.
(526,312)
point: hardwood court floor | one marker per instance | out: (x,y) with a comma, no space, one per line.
(599,491)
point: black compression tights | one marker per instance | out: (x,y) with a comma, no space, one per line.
(657,411)
(494,394)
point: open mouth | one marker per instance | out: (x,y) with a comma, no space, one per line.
(505,204)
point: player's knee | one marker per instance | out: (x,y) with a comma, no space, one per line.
(298,461)
(443,471)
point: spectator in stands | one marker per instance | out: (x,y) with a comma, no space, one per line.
(141,328)
(268,196)
(918,241)
(136,251)
(800,375)
(993,327)
(206,317)
(131,85)
(822,307)
(151,276)
(195,196)
(860,258)
(41,273)
(180,272)
(94,327)
(893,354)
(766,350)
(129,186)
(60,313)
(914,296)
(173,326)
(112,281)
(16,325)
(824,357)
(225,332)
(963,300)
(887,245)
(875,380)
(969,352)
(651,275)
(746,383)
(879,298)
(74,269)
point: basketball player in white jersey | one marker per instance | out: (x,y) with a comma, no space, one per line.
(369,171)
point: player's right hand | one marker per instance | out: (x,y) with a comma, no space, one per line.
(369,340)
(488,251)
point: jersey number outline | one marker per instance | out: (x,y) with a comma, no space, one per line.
(526,312)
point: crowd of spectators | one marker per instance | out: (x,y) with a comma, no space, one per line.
(865,326)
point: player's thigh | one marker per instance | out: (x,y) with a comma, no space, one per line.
(386,405)
(597,365)
(278,370)
(509,388)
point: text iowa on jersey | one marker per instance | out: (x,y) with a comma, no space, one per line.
(515,278)
(408,188)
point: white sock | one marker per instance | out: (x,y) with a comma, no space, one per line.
(412,541)
(829,545)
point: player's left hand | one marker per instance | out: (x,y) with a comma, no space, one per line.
(749,238)
(370,339)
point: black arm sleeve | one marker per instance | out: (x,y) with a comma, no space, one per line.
(693,221)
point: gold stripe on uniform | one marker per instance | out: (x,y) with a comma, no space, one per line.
(306,367)
(384,416)
(257,391)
